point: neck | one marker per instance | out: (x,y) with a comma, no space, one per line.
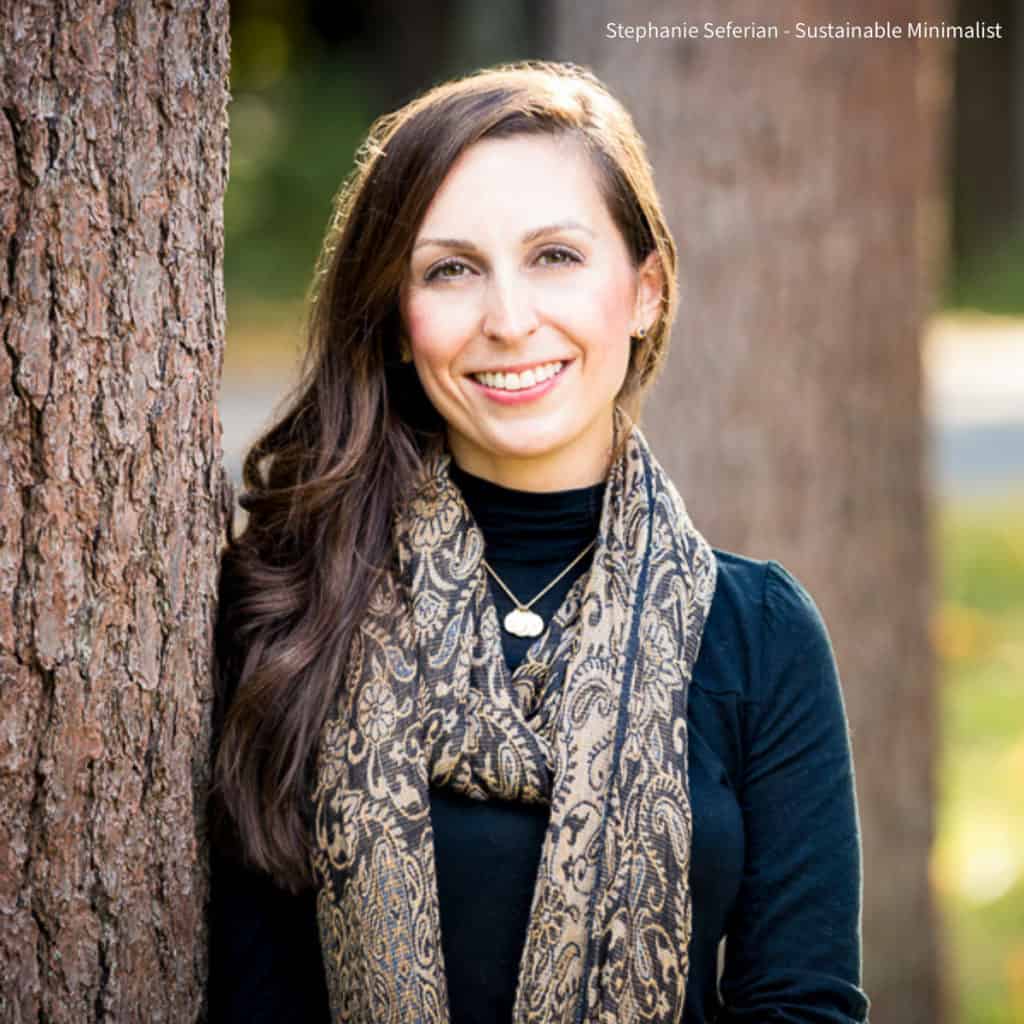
(526,532)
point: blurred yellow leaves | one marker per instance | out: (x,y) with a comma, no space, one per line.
(959,632)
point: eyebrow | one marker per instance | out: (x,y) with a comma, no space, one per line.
(530,236)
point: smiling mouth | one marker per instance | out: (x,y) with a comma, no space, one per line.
(520,381)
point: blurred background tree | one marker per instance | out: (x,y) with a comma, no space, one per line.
(308,78)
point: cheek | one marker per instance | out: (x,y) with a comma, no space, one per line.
(435,328)
(417,320)
(608,312)
(601,305)
(616,304)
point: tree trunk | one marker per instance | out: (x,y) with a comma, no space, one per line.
(113,164)
(803,183)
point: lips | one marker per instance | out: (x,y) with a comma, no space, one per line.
(521,395)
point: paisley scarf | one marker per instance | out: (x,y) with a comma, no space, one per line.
(593,722)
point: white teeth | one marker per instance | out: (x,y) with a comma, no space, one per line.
(518,381)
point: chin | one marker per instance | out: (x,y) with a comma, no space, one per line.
(532,449)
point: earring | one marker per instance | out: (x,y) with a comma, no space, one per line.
(406,355)
(639,334)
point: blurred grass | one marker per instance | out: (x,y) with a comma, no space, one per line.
(979,852)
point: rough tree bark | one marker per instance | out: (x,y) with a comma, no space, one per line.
(803,185)
(113,164)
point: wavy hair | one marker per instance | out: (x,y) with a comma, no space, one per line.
(321,484)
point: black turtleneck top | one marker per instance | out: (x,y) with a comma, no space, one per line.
(775,866)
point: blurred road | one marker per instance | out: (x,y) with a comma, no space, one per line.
(974,375)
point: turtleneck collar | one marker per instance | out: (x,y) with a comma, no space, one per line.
(531,526)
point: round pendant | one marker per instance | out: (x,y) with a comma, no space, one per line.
(520,622)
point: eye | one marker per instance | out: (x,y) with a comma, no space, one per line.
(556,256)
(441,271)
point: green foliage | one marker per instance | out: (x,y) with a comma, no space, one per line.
(993,283)
(292,145)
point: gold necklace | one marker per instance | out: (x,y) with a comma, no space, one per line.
(521,621)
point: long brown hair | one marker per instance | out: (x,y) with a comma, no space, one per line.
(320,486)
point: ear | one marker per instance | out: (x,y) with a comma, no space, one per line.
(650,285)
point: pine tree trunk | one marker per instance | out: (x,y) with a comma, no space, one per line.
(113,164)
(803,185)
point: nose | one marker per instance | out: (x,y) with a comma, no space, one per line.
(509,313)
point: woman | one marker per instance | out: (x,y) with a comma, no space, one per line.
(501,736)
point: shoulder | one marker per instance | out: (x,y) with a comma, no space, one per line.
(768,644)
(760,585)
(762,618)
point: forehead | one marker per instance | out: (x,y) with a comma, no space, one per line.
(534,178)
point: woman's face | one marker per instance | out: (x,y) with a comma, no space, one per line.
(519,270)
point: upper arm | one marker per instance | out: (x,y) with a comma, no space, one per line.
(793,946)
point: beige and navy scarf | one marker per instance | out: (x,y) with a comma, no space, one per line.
(593,722)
